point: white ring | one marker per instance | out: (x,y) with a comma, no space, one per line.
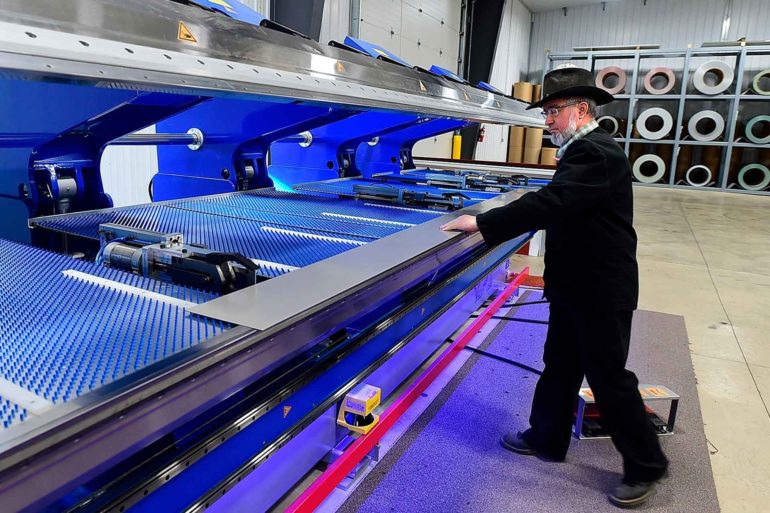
(612,121)
(700,167)
(719,125)
(721,68)
(663,114)
(756,187)
(657,175)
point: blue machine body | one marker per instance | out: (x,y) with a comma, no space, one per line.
(54,134)
(233,9)
(374,50)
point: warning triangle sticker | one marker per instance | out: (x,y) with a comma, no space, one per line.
(286,410)
(184,33)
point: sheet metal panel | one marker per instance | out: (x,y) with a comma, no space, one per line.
(322,205)
(345,187)
(273,302)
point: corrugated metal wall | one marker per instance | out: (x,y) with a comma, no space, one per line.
(509,66)
(673,24)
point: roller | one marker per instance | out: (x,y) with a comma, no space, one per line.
(696,123)
(755,84)
(722,70)
(644,164)
(610,124)
(698,176)
(752,129)
(654,73)
(608,72)
(656,112)
(754,177)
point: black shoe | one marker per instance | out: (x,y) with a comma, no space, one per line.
(514,442)
(629,495)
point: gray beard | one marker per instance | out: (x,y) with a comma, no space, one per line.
(559,138)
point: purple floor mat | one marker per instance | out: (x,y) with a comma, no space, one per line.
(450,459)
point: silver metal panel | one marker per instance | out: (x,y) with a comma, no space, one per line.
(268,304)
(238,59)
(507,169)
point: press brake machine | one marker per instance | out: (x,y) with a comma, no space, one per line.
(191,353)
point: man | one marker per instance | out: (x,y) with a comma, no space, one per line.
(591,280)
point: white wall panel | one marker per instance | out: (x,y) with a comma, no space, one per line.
(420,38)
(127,170)
(385,14)
(261,6)
(335,24)
(509,66)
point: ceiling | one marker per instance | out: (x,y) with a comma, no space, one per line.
(550,5)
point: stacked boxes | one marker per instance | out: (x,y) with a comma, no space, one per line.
(525,145)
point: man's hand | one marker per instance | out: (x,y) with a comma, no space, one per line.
(464,223)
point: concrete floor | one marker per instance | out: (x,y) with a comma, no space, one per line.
(706,256)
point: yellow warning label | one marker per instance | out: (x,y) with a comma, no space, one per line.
(286,410)
(422,86)
(184,34)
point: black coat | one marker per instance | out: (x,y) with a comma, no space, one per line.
(587,212)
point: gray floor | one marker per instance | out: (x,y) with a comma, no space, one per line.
(451,461)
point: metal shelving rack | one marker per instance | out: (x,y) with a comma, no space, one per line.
(740,94)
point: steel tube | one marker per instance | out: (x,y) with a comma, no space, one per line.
(155,139)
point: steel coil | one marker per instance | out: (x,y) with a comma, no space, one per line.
(698,176)
(721,69)
(610,124)
(751,129)
(668,73)
(641,171)
(754,177)
(667,122)
(611,71)
(705,115)
(755,84)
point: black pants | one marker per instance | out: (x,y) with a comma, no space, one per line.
(593,344)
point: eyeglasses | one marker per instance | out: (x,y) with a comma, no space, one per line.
(554,111)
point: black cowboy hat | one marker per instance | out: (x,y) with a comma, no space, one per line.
(571,83)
